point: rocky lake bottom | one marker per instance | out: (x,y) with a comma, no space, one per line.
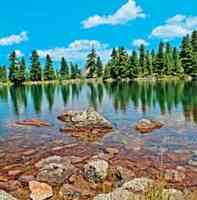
(59,160)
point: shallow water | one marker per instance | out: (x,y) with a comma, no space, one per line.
(174,103)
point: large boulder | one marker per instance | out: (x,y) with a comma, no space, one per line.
(40,191)
(96,170)
(87,125)
(5,196)
(85,118)
(54,170)
(148,125)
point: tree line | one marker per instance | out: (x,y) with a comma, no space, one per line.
(166,60)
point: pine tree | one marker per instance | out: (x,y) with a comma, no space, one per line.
(159,61)
(35,71)
(3,74)
(99,67)
(64,69)
(14,68)
(153,57)
(91,64)
(142,62)
(133,65)
(177,68)
(113,63)
(107,71)
(22,70)
(122,63)
(49,73)
(186,55)
(168,59)
(73,69)
(194,52)
(148,63)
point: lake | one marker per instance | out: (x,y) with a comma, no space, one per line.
(173,147)
(174,103)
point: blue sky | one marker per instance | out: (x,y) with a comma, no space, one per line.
(70,28)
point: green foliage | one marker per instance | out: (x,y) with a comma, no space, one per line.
(35,71)
(16,69)
(49,73)
(160,60)
(186,55)
(99,67)
(91,64)
(166,61)
(3,74)
(142,60)
(75,71)
(64,69)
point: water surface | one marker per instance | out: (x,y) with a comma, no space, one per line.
(174,103)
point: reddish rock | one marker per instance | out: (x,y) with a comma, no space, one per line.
(15,172)
(26,178)
(40,191)
(33,122)
(111,150)
(147,126)
(71,192)
(29,152)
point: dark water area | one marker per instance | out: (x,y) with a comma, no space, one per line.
(174,103)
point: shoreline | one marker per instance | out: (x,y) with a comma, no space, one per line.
(101,80)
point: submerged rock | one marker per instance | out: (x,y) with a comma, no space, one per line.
(33,122)
(71,192)
(5,196)
(87,125)
(96,170)
(46,161)
(40,191)
(54,170)
(147,125)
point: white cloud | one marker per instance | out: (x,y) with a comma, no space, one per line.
(126,13)
(87,44)
(19,53)
(14,39)
(77,51)
(176,26)
(139,42)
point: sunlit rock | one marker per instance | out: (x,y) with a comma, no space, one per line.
(147,125)
(40,191)
(96,170)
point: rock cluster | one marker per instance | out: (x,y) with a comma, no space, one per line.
(88,125)
(147,125)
